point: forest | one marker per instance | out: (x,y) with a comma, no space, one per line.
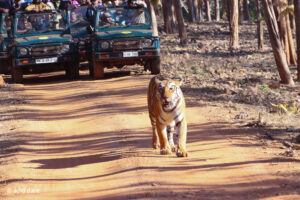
(281,18)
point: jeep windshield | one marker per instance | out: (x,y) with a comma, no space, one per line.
(78,19)
(39,23)
(123,17)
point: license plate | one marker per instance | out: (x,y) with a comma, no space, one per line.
(130,54)
(46,60)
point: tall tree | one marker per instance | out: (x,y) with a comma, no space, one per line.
(297,21)
(278,51)
(153,17)
(234,24)
(246,10)
(224,13)
(240,11)
(190,4)
(208,11)
(285,30)
(260,30)
(169,24)
(181,27)
(195,7)
(217,10)
(200,10)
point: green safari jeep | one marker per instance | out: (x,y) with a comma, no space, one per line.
(5,25)
(123,36)
(41,42)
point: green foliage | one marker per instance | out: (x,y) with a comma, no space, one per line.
(264,88)
(202,72)
(194,68)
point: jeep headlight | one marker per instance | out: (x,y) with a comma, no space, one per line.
(147,43)
(23,51)
(65,48)
(104,45)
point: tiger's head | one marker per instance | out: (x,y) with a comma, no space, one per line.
(168,92)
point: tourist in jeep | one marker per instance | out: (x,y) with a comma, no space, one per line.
(37,6)
(6,5)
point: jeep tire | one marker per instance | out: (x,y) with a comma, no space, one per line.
(4,67)
(155,65)
(16,74)
(97,69)
(72,70)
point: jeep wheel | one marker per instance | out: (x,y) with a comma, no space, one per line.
(155,66)
(17,75)
(72,70)
(98,70)
(4,67)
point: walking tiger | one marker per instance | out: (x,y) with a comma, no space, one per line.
(166,107)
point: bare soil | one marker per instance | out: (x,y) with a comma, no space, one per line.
(91,139)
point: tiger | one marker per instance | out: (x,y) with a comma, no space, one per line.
(166,106)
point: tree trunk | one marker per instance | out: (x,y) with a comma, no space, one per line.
(208,12)
(200,10)
(260,30)
(240,12)
(168,17)
(224,13)
(292,50)
(191,11)
(195,7)
(234,24)
(285,32)
(181,27)
(217,10)
(278,51)
(246,10)
(153,17)
(297,23)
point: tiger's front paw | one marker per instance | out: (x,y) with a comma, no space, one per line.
(165,152)
(155,145)
(173,148)
(181,153)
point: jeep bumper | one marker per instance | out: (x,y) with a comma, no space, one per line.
(128,54)
(45,60)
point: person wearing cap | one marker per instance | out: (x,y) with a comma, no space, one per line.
(37,6)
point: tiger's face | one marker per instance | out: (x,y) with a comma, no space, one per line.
(169,94)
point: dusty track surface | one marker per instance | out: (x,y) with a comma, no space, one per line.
(91,140)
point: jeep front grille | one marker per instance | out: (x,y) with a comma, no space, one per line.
(45,50)
(126,44)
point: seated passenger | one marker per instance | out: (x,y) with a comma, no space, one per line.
(37,6)
(93,5)
(106,18)
(23,25)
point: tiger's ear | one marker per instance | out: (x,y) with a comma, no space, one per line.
(177,80)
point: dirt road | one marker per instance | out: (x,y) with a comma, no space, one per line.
(91,140)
